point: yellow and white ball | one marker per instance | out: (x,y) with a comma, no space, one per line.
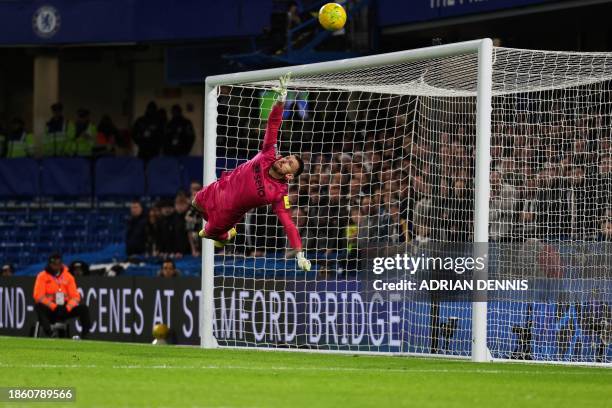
(332,16)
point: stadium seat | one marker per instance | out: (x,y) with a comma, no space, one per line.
(19,178)
(163,177)
(192,168)
(119,177)
(65,177)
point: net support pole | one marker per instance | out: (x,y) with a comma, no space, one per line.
(207,302)
(482,188)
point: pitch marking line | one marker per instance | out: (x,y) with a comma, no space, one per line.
(287,368)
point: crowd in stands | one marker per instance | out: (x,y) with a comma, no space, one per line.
(169,229)
(385,176)
(151,135)
(371,177)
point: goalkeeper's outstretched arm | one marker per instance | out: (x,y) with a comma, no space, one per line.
(295,241)
(276,115)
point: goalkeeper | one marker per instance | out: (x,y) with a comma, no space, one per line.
(258,182)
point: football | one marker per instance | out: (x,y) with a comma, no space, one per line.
(332,16)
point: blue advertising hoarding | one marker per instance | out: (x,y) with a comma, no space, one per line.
(36,22)
(392,12)
(326,315)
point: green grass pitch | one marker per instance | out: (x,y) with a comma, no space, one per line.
(133,375)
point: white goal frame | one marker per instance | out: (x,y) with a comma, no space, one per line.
(483,48)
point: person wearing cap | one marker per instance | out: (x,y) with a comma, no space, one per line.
(56,297)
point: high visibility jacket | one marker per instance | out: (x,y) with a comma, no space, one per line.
(47,285)
(21,148)
(54,143)
(82,145)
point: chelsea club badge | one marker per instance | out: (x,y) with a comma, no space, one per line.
(46,21)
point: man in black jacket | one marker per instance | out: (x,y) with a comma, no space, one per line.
(179,135)
(148,133)
(135,239)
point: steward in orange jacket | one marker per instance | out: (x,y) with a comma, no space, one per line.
(57,297)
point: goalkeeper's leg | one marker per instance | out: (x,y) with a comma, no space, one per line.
(219,227)
(219,230)
(220,238)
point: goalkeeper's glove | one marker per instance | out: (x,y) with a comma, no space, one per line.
(302,262)
(281,89)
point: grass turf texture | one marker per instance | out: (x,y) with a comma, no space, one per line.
(118,374)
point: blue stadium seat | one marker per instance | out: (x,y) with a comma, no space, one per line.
(192,168)
(65,177)
(19,178)
(119,177)
(163,177)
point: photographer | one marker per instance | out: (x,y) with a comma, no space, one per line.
(57,298)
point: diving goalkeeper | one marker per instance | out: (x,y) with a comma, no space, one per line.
(258,182)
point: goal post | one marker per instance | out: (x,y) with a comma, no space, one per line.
(419,152)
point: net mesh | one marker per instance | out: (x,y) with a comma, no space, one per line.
(390,161)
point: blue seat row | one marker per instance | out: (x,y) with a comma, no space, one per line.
(28,237)
(109,177)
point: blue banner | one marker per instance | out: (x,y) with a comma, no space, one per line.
(324,315)
(392,12)
(37,22)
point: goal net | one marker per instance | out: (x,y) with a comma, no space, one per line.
(391,153)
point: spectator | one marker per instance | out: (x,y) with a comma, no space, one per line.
(528,215)
(193,222)
(81,135)
(352,229)
(79,268)
(179,134)
(148,133)
(54,139)
(168,270)
(293,16)
(152,232)
(398,226)
(420,200)
(7,270)
(162,115)
(18,142)
(194,187)
(553,213)
(57,298)
(604,182)
(136,240)
(331,219)
(108,137)
(605,231)
(582,198)
(374,225)
(421,232)
(167,229)
(181,240)
(502,208)
(174,240)
(461,212)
